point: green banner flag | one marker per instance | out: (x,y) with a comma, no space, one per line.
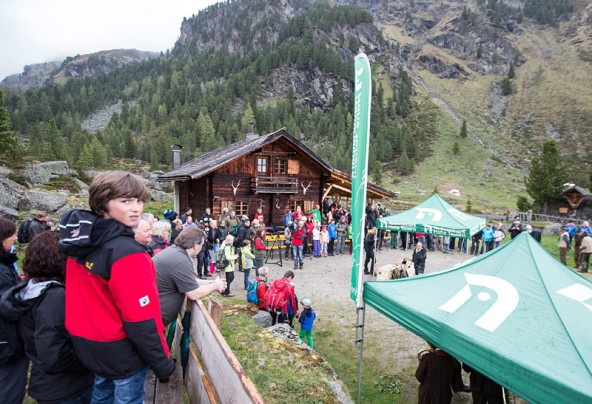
(361,142)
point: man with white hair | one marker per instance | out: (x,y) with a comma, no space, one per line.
(143,232)
(536,234)
(585,227)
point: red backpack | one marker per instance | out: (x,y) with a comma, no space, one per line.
(277,295)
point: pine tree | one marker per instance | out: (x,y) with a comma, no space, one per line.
(463,130)
(405,164)
(506,86)
(546,175)
(456,149)
(86,159)
(469,206)
(7,139)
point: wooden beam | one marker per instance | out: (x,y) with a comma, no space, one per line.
(327,192)
(232,383)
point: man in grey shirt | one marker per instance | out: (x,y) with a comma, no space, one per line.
(175,278)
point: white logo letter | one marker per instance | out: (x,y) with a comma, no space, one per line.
(436,214)
(506,303)
(577,292)
(458,214)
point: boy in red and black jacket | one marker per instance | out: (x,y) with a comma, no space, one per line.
(112,307)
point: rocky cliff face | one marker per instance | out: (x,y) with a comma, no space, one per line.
(33,76)
(80,66)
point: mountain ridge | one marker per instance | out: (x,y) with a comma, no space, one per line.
(459,55)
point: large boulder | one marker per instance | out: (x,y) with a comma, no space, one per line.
(160,196)
(41,200)
(10,192)
(263,318)
(552,229)
(8,213)
(41,173)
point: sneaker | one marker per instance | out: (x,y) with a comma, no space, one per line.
(228,295)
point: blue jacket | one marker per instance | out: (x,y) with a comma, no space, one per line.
(586,229)
(287,218)
(572,230)
(332,229)
(487,234)
(307,318)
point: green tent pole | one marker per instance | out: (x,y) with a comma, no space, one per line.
(360,340)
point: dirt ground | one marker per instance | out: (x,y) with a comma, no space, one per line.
(326,281)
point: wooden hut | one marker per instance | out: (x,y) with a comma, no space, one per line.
(274,172)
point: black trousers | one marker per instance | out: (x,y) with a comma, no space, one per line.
(369,258)
(330,250)
(229,279)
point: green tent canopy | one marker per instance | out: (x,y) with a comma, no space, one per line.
(433,216)
(515,314)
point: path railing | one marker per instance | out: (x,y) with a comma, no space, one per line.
(213,374)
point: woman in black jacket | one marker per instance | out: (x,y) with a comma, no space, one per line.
(57,374)
(13,362)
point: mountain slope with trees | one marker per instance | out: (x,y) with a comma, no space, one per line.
(456,100)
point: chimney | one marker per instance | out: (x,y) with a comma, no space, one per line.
(176,156)
(252,135)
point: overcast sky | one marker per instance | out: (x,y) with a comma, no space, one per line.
(35,31)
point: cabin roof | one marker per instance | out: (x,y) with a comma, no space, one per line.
(215,159)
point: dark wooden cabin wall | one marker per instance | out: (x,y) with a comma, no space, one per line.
(215,190)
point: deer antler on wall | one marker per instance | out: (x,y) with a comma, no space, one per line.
(261,203)
(276,202)
(235,188)
(305,188)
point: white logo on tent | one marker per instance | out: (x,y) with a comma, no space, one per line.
(577,292)
(436,214)
(458,214)
(506,303)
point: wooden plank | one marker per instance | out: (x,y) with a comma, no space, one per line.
(219,362)
(172,391)
(199,389)
(215,310)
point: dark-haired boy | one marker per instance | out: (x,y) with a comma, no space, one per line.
(112,306)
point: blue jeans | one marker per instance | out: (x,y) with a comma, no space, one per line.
(247,272)
(120,391)
(298,259)
(340,244)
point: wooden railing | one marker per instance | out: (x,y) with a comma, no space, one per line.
(213,374)
(527,217)
(274,185)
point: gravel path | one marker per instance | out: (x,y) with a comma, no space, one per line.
(326,281)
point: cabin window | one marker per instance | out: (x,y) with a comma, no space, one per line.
(293,205)
(281,166)
(262,165)
(241,208)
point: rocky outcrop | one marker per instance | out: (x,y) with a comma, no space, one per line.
(262,318)
(41,173)
(33,76)
(41,200)
(80,66)
(10,192)
(8,213)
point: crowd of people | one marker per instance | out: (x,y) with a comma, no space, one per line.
(89,313)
